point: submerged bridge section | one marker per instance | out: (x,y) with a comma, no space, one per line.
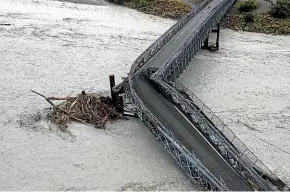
(200,142)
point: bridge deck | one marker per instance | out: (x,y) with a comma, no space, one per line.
(181,37)
(188,135)
(174,120)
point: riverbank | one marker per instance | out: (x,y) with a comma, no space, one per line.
(260,23)
(259,20)
(173,9)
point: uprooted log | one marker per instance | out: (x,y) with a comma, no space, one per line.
(88,109)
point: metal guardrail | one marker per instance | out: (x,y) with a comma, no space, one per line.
(192,45)
(242,160)
(181,58)
(244,152)
(184,158)
(194,168)
(196,171)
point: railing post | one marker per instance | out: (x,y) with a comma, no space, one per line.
(112,84)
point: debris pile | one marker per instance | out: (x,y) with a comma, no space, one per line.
(88,109)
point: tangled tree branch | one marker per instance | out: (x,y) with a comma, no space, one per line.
(85,108)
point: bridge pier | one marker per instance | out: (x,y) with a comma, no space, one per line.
(217,31)
(205,44)
(215,46)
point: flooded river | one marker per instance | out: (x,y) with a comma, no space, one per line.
(247,84)
(60,49)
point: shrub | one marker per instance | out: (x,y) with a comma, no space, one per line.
(281,9)
(248,5)
(249,18)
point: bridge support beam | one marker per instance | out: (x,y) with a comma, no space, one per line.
(151,70)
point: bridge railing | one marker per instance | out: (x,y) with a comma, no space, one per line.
(244,152)
(182,58)
(197,39)
(187,160)
(163,39)
(194,43)
(245,162)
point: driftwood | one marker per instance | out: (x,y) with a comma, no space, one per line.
(60,98)
(84,108)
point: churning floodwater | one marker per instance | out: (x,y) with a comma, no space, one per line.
(246,84)
(60,49)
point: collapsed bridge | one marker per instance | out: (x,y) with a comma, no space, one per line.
(199,141)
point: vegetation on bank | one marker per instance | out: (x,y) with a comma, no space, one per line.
(247,5)
(173,9)
(274,21)
(281,9)
(260,22)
